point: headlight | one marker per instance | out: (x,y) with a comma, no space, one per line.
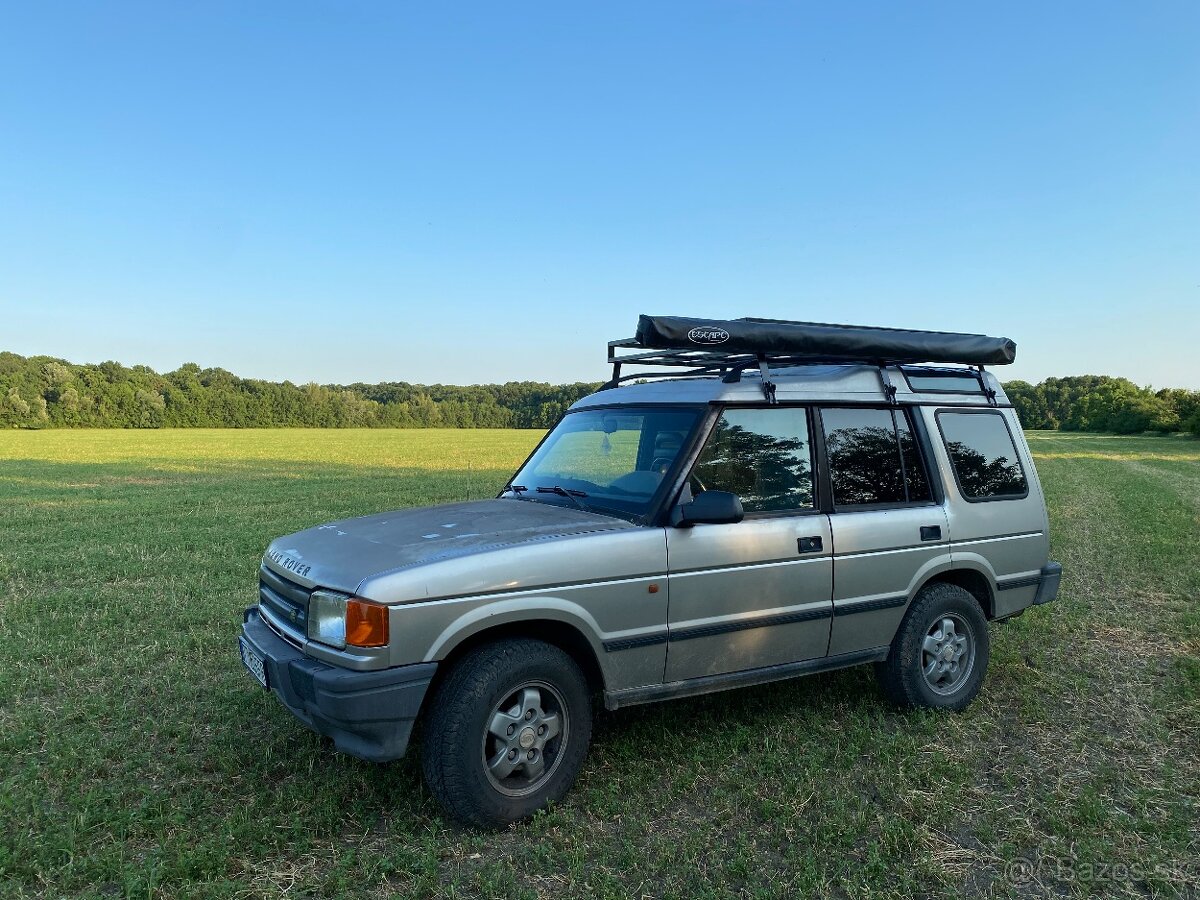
(338,620)
(327,618)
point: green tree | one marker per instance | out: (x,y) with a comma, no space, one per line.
(151,408)
(16,408)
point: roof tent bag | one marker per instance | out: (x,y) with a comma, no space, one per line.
(832,343)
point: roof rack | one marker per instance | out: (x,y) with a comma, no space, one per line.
(707,348)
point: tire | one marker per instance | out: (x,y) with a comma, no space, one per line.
(520,704)
(944,632)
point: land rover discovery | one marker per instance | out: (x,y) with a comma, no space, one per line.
(759,500)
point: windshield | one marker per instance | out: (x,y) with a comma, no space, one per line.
(609,461)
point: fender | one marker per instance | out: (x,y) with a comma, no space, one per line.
(515,610)
(927,572)
(976,563)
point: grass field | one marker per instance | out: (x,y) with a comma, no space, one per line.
(137,759)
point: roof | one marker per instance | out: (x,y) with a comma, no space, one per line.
(809,383)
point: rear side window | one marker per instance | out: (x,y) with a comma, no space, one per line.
(763,456)
(983,455)
(873,457)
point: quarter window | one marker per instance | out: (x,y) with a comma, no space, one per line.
(873,457)
(983,454)
(762,455)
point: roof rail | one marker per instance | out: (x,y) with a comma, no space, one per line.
(726,366)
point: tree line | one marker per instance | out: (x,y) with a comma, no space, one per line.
(44,392)
(1102,403)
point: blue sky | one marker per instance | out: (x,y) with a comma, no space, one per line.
(436,193)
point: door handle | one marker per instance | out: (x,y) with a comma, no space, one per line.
(808,544)
(931,532)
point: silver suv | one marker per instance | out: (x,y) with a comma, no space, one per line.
(760,500)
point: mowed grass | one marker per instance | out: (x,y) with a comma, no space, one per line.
(137,759)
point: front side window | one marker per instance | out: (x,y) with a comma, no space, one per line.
(873,457)
(983,455)
(763,456)
(610,461)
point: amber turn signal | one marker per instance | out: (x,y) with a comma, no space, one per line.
(366,623)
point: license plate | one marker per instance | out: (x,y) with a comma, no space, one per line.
(255,663)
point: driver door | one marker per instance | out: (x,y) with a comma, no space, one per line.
(759,592)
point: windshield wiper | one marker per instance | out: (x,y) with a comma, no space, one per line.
(516,489)
(573,496)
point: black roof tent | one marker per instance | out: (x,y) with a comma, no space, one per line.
(848,343)
(726,347)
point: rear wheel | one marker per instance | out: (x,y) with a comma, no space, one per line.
(940,653)
(506,732)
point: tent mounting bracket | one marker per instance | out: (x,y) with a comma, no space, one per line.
(885,380)
(983,386)
(768,386)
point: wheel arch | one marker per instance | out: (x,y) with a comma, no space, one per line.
(557,631)
(975,582)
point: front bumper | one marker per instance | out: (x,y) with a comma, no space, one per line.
(367,714)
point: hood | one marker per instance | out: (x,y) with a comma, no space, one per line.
(341,554)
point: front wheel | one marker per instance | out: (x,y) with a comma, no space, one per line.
(940,653)
(506,732)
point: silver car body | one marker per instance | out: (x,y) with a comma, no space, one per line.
(665,611)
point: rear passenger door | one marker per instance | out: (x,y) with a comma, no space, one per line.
(888,531)
(754,593)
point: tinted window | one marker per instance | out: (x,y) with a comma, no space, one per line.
(983,454)
(935,382)
(762,455)
(910,458)
(873,457)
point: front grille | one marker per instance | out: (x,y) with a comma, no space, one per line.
(284,604)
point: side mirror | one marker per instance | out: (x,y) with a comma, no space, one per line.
(708,508)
